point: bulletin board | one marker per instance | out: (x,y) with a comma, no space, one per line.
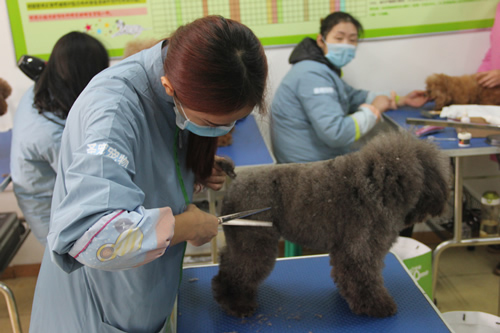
(37,24)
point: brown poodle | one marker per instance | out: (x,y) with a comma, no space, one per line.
(5,91)
(137,45)
(352,207)
(446,90)
(226,139)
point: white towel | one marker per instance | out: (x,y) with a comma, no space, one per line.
(490,113)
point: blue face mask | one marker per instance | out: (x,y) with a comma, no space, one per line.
(183,122)
(340,54)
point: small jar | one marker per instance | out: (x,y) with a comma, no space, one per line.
(490,214)
(464,139)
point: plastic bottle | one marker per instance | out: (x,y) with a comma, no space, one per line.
(490,214)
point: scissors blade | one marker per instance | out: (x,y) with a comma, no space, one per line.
(225,218)
(248,223)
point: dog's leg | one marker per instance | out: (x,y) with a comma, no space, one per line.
(245,262)
(359,279)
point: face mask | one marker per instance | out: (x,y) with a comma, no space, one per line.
(340,54)
(183,122)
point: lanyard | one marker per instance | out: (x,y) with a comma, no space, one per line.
(177,166)
(184,192)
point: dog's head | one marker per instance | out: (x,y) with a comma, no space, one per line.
(409,176)
(437,86)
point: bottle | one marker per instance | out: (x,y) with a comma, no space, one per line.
(464,139)
(490,214)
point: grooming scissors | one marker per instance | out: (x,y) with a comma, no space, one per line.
(238,216)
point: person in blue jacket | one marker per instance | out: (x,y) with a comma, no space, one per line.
(138,139)
(39,123)
(315,115)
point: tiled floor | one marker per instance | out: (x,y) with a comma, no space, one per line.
(466,283)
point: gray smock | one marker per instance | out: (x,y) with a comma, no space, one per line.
(36,139)
(315,115)
(108,265)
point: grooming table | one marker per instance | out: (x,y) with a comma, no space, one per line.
(248,147)
(300,296)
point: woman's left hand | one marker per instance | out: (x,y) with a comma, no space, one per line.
(217,178)
(415,99)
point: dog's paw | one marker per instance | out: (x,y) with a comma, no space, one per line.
(377,307)
(239,310)
(235,300)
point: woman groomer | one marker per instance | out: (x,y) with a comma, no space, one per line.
(39,123)
(137,140)
(315,114)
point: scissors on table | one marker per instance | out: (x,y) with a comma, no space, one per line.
(235,219)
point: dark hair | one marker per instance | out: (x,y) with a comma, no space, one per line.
(74,61)
(217,66)
(327,24)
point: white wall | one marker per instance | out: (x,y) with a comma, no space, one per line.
(387,64)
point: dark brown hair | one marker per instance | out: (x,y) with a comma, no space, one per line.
(217,66)
(74,61)
(327,24)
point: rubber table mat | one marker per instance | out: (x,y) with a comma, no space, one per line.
(300,296)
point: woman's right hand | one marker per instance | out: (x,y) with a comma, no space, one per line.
(195,226)
(373,109)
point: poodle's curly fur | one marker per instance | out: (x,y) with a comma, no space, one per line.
(352,207)
(137,45)
(5,91)
(446,90)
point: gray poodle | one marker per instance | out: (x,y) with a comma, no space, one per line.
(352,207)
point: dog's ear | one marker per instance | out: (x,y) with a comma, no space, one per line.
(431,84)
(437,86)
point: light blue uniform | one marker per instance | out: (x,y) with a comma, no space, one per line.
(315,115)
(36,139)
(117,167)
